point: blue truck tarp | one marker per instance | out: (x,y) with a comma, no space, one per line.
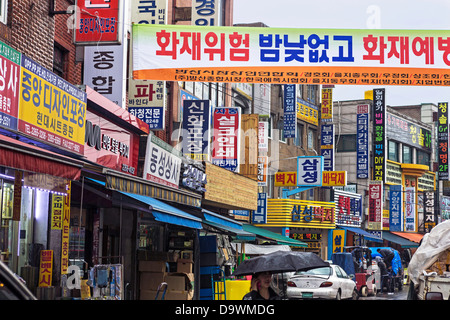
(396,262)
(345,261)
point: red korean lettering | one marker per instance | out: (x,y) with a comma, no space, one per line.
(166,39)
(402,52)
(195,49)
(373,44)
(424,46)
(444,45)
(212,40)
(237,53)
(280,177)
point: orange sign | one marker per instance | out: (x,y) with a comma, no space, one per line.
(329,179)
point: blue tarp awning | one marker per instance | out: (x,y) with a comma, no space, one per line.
(218,221)
(164,212)
(362,232)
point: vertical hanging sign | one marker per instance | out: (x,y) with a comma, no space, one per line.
(46,268)
(396,208)
(65,231)
(205,13)
(429,204)
(362,141)
(195,129)
(57,211)
(290,112)
(379,135)
(375,205)
(443,141)
(225,152)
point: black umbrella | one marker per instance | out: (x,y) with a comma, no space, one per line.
(279,262)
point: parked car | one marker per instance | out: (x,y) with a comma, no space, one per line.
(322,283)
(12,287)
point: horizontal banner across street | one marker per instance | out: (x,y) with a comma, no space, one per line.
(288,55)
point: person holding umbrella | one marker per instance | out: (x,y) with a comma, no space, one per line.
(260,288)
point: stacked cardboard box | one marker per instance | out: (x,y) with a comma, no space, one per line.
(179,284)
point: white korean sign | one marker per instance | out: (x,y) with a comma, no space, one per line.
(309,171)
(162,162)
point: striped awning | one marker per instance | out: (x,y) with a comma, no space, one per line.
(135,185)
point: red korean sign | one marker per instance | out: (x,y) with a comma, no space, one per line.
(375,205)
(225,151)
(97,22)
(111,145)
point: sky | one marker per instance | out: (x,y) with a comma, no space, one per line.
(356,14)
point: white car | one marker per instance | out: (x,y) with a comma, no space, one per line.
(322,283)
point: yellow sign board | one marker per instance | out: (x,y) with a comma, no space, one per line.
(57,211)
(338,241)
(46,268)
(329,179)
(65,231)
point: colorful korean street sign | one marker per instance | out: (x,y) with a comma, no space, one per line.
(396,208)
(290,111)
(66,230)
(379,135)
(111,145)
(10,60)
(327,145)
(430,202)
(309,171)
(46,268)
(408,133)
(338,238)
(290,55)
(327,105)
(375,205)
(97,22)
(225,152)
(348,208)
(442,140)
(307,112)
(263,162)
(206,13)
(362,141)
(195,129)
(51,109)
(57,212)
(329,179)
(410,209)
(260,215)
(162,162)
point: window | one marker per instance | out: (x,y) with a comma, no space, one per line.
(311,94)
(59,60)
(299,137)
(346,143)
(407,154)
(423,158)
(3,11)
(393,151)
(311,139)
(281,131)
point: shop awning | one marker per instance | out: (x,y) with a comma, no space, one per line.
(239,233)
(414,237)
(166,213)
(135,185)
(163,212)
(23,156)
(404,243)
(362,232)
(273,236)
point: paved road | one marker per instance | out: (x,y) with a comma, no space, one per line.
(398,295)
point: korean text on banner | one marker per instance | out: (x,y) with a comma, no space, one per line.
(288,55)
(9,91)
(51,109)
(97,22)
(225,152)
(195,129)
(309,171)
(66,231)
(46,268)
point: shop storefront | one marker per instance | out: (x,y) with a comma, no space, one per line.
(306,221)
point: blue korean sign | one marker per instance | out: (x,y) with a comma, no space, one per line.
(290,112)
(362,142)
(260,215)
(195,128)
(395,208)
(153,116)
(327,146)
(309,171)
